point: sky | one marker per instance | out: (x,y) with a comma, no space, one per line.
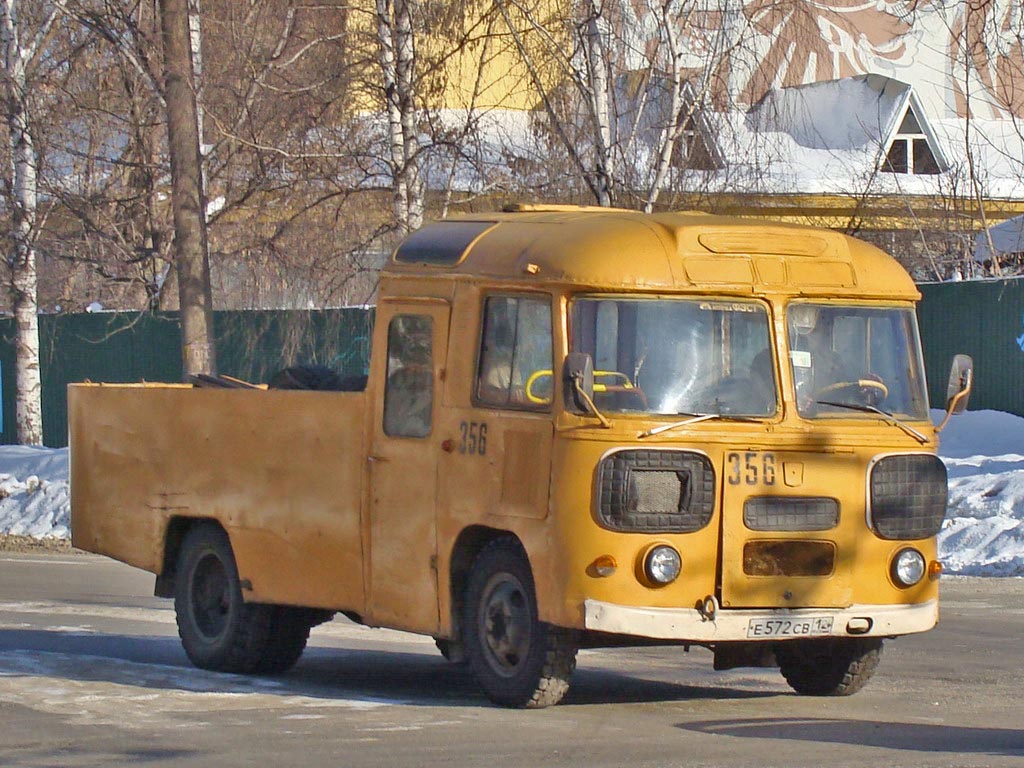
(983,534)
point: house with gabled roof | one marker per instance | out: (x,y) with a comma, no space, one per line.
(903,122)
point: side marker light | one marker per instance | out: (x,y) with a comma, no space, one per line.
(605,565)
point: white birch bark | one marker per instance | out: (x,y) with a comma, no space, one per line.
(674,127)
(397,59)
(195,37)
(598,83)
(18,54)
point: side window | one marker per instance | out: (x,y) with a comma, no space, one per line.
(409,391)
(515,353)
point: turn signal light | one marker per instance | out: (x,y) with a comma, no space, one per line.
(605,565)
(934,569)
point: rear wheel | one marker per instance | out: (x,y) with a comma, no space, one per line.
(218,629)
(289,633)
(518,660)
(829,667)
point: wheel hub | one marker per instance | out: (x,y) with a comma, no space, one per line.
(506,625)
(210,596)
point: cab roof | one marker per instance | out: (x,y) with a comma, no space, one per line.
(615,249)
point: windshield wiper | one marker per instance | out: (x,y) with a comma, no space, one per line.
(884,414)
(694,418)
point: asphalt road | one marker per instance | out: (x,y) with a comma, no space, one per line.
(92,674)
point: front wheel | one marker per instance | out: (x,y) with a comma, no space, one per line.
(518,660)
(828,667)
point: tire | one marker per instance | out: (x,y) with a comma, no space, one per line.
(316,377)
(289,633)
(218,630)
(831,667)
(518,660)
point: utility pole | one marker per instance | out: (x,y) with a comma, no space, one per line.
(188,200)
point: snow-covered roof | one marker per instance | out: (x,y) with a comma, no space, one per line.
(828,138)
(860,114)
(851,113)
(1006,237)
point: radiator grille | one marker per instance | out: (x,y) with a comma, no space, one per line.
(655,491)
(790,513)
(908,496)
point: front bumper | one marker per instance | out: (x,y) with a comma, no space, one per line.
(733,625)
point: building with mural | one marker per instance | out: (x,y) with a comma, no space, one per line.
(899,120)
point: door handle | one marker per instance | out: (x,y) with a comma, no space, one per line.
(374,459)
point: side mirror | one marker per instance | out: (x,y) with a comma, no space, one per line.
(578,377)
(961,380)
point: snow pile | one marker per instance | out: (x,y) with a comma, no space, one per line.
(983,534)
(984,530)
(34,492)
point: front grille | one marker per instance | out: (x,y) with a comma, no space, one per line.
(908,496)
(790,513)
(789,558)
(655,491)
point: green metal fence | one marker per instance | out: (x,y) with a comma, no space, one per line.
(984,319)
(251,345)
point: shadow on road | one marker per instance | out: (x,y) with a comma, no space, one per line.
(917,737)
(402,678)
(591,686)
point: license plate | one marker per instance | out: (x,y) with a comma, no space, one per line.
(806,626)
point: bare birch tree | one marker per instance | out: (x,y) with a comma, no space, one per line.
(624,87)
(397,61)
(23,38)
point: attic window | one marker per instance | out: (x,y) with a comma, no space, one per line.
(443,243)
(691,150)
(910,151)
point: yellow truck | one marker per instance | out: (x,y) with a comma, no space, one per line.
(580,428)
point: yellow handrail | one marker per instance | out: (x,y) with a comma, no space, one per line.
(627,384)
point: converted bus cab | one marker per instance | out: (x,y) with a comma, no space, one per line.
(681,427)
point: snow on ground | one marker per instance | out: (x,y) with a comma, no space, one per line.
(34,498)
(984,530)
(983,534)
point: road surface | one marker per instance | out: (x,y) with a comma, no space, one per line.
(92,674)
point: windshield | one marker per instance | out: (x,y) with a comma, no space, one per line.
(844,357)
(677,356)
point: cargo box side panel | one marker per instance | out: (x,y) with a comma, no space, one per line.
(282,471)
(112,479)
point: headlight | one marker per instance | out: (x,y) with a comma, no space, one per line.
(908,567)
(662,565)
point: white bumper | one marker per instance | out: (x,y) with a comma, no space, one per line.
(690,624)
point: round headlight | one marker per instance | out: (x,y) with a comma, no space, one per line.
(662,565)
(908,567)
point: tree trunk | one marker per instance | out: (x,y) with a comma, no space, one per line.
(600,104)
(397,62)
(24,282)
(187,199)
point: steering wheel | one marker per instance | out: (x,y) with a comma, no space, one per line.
(871,390)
